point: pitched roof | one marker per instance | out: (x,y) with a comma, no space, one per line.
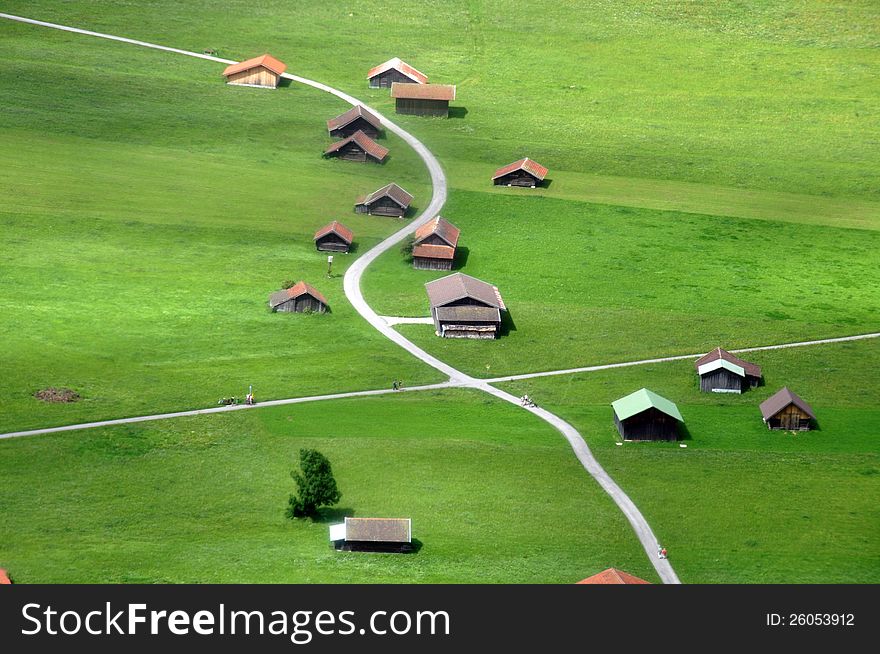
(781,399)
(434,251)
(458,286)
(337,228)
(402,67)
(300,288)
(266,60)
(711,366)
(4,578)
(642,400)
(379,530)
(423,91)
(442,228)
(613,576)
(526,164)
(392,191)
(752,370)
(357,111)
(363,141)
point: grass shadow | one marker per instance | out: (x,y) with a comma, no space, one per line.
(457,112)
(545,183)
(284,83)
(327,515)
(684,434)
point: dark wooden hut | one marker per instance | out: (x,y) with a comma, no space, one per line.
(465,307)
(334,237)
(357,147)
(524,172)
(722,372)
(394,70)
(263,72)
(646,416)
(786,410)
(373,535)
(422,99)
(299,298)
(390,200)
(434,245)
(356,119)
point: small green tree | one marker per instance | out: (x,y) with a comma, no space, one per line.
(315,485)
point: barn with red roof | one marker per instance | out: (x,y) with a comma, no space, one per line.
(394,70)
(357,147)
(263,71)
(524,172)
(334,237)
(434,245)
(299,298)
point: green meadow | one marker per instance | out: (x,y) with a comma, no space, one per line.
(145,229)
(741,503)
(202,499)
(713,181)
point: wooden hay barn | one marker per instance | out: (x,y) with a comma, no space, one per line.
(721,372)
(390,200)
(422,99)
(524,172)
(373,535)
(434,245)
(357,147)
(613,576)
(262,72)
(299,298)
(394,70)
(465,307)
(356,119)
(334,237)
(786,410)
(646,416)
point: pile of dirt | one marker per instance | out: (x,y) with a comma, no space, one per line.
(53,394)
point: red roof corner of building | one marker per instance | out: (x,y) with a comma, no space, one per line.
(266,60)
(613,576)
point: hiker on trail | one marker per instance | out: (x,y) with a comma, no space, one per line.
(663,553)
(394,385)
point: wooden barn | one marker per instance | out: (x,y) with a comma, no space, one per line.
(356,119)
(646,416)
(434,245)
(722,372)
(422,99)
(465,307)
(394,70)
(373,535)
(357,147)
(299,298)
(262,72)
(334,237)
(613,576)
(390,200)
(785,410)
(524,172)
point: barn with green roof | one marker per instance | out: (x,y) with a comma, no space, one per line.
(646,416)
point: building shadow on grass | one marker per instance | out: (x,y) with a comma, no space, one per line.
(545,183)
(461,257)
(458,112)
(684,434)
(284,83)
(507,324)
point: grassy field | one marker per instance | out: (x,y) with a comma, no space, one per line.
(145,228)
(494,497)
(742,504)
(595,283)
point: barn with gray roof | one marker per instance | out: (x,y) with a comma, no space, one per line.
(465,307)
